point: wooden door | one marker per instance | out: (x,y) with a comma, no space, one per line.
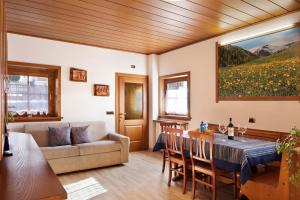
(132,109)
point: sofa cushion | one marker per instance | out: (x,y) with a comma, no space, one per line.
(16,127)
(60,151)
(80,135)
(39,131)
(102,146)
(59,136)
(96,130)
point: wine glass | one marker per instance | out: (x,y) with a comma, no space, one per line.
(242,129)
(223,129)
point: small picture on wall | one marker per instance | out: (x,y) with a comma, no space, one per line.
(101,90)
(78,75)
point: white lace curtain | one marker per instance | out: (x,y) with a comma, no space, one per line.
(176,98)
(27,94)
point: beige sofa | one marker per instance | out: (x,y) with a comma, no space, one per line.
(106,149)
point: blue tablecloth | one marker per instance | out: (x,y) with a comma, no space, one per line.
(240,154)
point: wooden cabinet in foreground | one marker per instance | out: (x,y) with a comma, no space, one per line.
(3,70)
(27,175)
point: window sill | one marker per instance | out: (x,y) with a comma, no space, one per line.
(176,117)
(35,119)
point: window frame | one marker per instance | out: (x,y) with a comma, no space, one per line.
(163,80)
(53,73)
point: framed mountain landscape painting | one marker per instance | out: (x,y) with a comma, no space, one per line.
(266,67)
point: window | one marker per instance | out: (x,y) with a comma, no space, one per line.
(174,95)
(34,92)
(28,94)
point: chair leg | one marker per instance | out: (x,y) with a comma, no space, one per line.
(184,179)
(175,172)
(214,188)
(193,186)
(209,179)
(170,173)
(164,162)
(235,190)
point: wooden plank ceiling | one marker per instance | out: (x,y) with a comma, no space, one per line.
(143,26)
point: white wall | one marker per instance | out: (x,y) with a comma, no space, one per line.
(78,102)
(153,96)
(200,60)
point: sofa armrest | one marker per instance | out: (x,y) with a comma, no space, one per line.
(118,137)
(125,142)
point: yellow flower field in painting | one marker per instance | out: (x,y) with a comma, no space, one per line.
(266,77)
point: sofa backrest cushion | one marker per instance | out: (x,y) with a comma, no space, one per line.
(80,135)
(16,127)
(59,136)
(39,131)
(96,129)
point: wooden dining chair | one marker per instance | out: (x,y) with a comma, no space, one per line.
(163,126)
(203,167)
(178,163)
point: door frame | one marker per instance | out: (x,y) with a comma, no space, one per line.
(117,109)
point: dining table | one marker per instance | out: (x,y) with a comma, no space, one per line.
(240,154)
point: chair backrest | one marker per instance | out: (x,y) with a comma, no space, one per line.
(201,147)
(164,125)
(174,141)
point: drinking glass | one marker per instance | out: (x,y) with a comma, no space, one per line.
(222,128)
(242,129)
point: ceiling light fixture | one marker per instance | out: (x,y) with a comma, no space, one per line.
(257,34)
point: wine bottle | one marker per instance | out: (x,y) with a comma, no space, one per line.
(230,129)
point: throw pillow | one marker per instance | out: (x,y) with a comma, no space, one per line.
(59,136)
(80,135)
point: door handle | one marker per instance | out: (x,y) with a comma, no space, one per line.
(121,114)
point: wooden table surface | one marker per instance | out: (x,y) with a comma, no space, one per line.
(27,175)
